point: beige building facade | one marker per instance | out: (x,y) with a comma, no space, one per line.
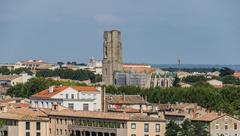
(221,124)
(82,123)
(23,124)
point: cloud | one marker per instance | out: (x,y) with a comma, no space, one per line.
(109,19)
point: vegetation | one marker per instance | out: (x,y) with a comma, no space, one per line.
(188,128)
(225,99)
(35,85)
(194,79)
(6,71)
(70,74)
(2,122)
(229,79)
(205,70)
(226,71)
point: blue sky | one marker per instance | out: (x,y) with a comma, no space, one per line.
(153,31)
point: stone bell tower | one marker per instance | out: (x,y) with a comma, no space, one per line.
(112,55)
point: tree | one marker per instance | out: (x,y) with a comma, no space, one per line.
(172,129)
(186,129)
(229,79)
(21,70)
(60,64)
(35,85)
(226,71)
(200,129)
(194,79)
(176,82)
(4,71)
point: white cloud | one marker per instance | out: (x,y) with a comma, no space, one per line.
(109,19)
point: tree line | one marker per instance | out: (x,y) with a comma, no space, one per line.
(80,75)
(35,85)
(6,71)
(225,99)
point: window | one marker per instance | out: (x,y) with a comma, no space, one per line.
(38,125)
(72,96)
(38,134)
(133,125)
(66,121)
(71,106)
(85,107)
(226,126)
(157,127)
(217,126)
(235,126)
(133,134)
(27,125)
(50,130)
(66,96)
(27,133)
(146,127)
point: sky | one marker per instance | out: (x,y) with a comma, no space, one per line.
(153,31)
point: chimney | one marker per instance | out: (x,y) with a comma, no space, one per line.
(146,98)
(51,89)
(161,114)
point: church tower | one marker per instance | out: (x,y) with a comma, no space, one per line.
(112,55)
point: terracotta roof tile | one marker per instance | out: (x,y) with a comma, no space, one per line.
(105,115)
(57,89)
(209,117)
(125,99)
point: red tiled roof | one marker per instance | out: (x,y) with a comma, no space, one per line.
(209,117)
(125,99)
(46,94)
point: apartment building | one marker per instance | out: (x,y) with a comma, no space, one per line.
(85,98)
(220,124)
(23,122)
(86,123)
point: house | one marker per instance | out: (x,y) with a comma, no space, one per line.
(11,80)
(220,124)
(215,83)
(33,65)
(237,74)
(12,103)
(126,103)
(180,111)
(76,97)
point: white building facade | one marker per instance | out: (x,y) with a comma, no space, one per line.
(76,98)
